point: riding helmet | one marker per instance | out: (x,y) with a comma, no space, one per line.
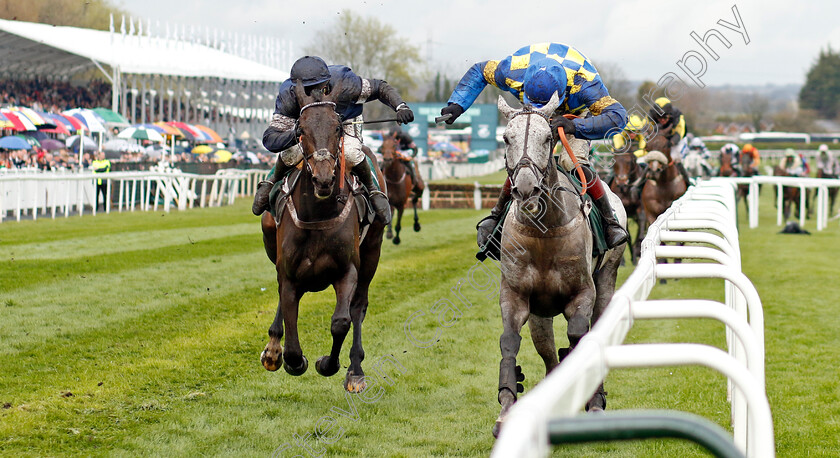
(540,85)
(310,70)
(664,109)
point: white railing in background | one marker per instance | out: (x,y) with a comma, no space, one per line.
(821,200)
(439,170)
(51,193)
(704,215)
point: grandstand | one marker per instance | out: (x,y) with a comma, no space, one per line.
(228,82)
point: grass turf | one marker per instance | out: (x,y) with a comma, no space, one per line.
(140,333)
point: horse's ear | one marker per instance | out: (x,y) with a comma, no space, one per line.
(552,105)
(335,91)
(506,109)
(300,93)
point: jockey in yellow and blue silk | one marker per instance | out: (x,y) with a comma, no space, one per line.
(533,74)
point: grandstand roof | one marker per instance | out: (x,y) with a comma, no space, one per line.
(32,48)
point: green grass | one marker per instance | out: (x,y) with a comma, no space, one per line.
(497,177)
(140,334)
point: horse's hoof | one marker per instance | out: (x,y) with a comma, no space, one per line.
(322,368)
(497,428)
(663,281)
(389,235)
(562,353)
(355,383)
(416,227)
(397,240)
(298,370)
(270,358)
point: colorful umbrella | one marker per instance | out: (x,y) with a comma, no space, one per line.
(21,123)
(190,133)
(167,129)
(62,126)
(30,114)
(141,133)
(214,137)
(110,115)
(13,142)
(89,118)
(5,123)
(202,149)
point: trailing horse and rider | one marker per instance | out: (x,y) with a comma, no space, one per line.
(400,175)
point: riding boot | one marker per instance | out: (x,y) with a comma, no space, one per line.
(417,186)
(684,173)
(485,226)
(614,233)
(377,198)
(276,173)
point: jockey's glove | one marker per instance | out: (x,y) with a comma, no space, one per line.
(452,109)
(404,114)
(560,121)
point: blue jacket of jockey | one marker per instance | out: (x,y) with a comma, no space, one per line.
(572,76)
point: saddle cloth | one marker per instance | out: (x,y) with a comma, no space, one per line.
(283,189)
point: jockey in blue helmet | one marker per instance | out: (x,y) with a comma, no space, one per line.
(533,74)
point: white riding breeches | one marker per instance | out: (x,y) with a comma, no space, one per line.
(580,147)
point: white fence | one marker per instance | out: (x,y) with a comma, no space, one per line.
(820,201)
(51,193)
(704,215)
(439,170)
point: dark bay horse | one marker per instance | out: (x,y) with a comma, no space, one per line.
(791,195)
(664,183)
(546,253)
(399,185)
(626,176)
(315,242)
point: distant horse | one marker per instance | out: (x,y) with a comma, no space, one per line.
(693,164)
(399,185)
(664,183)
(315,243)
(791,196)
(546,263)
(626,175)
(730,168)
(832,192)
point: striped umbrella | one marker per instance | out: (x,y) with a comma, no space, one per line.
(214,137)
(89,118)
(141,133)
(5,123)
(29,114)
(62,126)
(167,129)
(70,123)
(21,123)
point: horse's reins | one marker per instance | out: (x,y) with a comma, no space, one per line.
(575,163)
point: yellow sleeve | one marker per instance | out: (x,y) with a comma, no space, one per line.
(618,142)
(680,127)
(642,142)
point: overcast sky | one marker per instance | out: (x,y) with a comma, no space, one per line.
(646,38)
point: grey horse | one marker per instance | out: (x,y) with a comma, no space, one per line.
(547,264)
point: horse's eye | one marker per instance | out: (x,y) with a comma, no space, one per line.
(507,142)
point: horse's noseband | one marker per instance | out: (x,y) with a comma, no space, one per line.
(525,162)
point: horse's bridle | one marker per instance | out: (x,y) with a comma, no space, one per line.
(323,153)
(525,161)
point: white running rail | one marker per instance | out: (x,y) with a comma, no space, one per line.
(821,185)
(704,215)
(52,193)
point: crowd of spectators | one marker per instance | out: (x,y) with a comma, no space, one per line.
(54,96)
